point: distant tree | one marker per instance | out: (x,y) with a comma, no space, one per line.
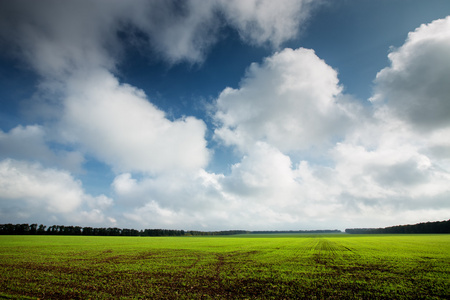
(41,229)
(22,229)
(87,231)
(51,229)
(33,228)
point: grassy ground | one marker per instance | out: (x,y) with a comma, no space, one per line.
(245,267)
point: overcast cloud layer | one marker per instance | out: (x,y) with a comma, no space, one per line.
(309,155)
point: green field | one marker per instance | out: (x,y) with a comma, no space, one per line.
(237,267)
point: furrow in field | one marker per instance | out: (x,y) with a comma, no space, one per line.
(328,252)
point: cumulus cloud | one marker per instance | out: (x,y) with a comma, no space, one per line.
(416,87)
(265,21)
(122,128)
(411,109)
(386,173)
(397,161)
(29,191)
(292,100)
(267,190)
(264,173)
(264,190)
(30,143)
(177,31)
(394,185)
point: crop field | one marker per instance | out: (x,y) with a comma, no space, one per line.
(234,267)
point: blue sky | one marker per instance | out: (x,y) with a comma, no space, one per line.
(214,115)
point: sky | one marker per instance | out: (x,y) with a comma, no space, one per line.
(225,114)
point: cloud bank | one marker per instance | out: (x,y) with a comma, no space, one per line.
(31,192)
(379,167)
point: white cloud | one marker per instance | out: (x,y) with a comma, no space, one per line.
(438,146)
(118,125)
(30,143)
(416,87)
(265,173)
(413,109)
(262,21)
(292,101)
(177,31)
(263,191)
(196,191)
(396,163)
(29,191)
(388,173)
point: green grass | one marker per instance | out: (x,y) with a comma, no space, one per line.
(235,267)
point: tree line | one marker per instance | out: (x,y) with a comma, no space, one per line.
(295,231)
(35,229)
(428,227)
